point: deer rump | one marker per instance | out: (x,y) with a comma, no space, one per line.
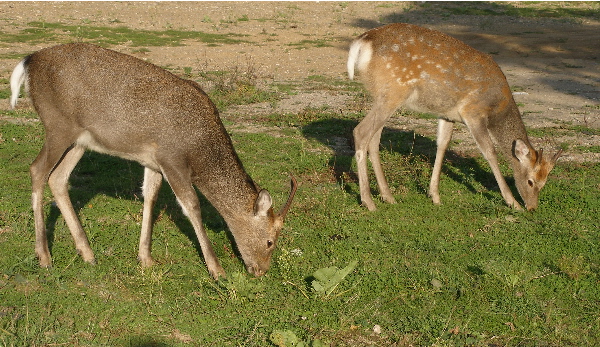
(117,104)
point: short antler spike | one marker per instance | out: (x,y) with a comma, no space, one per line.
(538,160)
(294,186)
(556,156)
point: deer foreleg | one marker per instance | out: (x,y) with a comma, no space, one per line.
(188,199)
(152,183)
(484,142)
(444,136)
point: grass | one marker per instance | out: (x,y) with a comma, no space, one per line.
(469,272)
(565,130)
(236,87)
(319,43)
(40,32)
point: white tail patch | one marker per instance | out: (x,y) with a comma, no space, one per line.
(17,78)
(359,56)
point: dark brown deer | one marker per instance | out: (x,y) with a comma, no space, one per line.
(89,97)
(427,71)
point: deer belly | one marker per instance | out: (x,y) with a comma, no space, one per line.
(436,101)
(142,153)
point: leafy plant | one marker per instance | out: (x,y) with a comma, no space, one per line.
(327,279)
(240,287)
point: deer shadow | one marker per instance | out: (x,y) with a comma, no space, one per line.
(119,178)
(337,134)
(146,341)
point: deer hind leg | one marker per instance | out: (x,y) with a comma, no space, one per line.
(49,157)
(384,189)
(152,183)
(181,184)
(59,185)
(480,133)
(366,141)
(444,136)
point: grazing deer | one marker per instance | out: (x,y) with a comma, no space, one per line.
(89,97)
(428,71)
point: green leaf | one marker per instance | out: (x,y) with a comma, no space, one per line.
(327,279)
(285,338)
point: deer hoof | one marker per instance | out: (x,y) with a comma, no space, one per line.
(217,273)
(146,261)
(389,199)
(370,205)
(88,257)
(45,263)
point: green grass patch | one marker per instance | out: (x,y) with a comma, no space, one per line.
(589,149)
(468,272)
(11,56)
(584,130)
(287,88)
(565,129)
(39,32)
(302,44)
(240,94)
(4,88)
(320,82)
(236,87)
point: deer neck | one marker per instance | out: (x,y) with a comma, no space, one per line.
(229,189)
(220,175)
(506,127)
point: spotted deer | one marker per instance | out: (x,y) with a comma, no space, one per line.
(404,65)
(89,97)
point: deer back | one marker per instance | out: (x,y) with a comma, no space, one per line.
(428,71)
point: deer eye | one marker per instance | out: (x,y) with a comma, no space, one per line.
(530,183)
(269,243)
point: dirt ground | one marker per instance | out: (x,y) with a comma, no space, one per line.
(552,63)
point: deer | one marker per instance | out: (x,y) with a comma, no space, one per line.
(92,98)
(423,70)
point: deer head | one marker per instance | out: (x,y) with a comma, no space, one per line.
(257,243)
(531,172)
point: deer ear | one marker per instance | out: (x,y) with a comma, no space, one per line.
(521,151)
(263,203)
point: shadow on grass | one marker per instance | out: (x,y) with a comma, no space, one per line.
(337,134)
(118,178)
(145,341)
